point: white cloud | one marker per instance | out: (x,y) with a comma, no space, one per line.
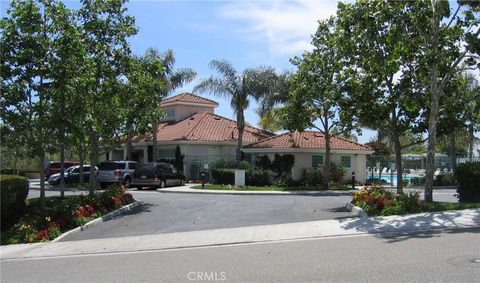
(287,26)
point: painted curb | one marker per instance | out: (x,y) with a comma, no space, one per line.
(356,210)
(98,220)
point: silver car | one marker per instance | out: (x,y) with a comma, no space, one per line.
(111,172)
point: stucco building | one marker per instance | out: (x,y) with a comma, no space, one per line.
(204,137)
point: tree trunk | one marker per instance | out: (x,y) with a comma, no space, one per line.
(93,162)
(15,160)
(471,139)
(240,126)
(326,172)
(398,161)
(129,148)
(453,151)
(81,180)
(41,165)
(433,117)
(62,170)
(155,143)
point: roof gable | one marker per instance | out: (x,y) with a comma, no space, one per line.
(189,98)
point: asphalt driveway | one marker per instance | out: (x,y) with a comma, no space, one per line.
(177,212)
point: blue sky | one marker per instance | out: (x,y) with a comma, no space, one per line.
(246,33)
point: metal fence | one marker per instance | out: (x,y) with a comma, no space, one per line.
(383,167)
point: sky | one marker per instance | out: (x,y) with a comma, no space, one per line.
(246,33)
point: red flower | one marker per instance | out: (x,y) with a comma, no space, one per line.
(369,199)
(42,234)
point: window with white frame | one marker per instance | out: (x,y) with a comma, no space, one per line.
(169,114)
(317,160)
(346,161)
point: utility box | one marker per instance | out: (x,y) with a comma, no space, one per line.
(240,178)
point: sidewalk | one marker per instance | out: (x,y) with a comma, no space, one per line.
(255,234)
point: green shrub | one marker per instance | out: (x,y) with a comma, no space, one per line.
(468,178)
(263,162)
(410,201)
(312,178)
(245,165)
(258,177)
(336,172)
(395,209)
(445,179)
(417,181)
(14,192)
(223,176)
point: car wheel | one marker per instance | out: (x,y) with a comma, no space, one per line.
(139,188)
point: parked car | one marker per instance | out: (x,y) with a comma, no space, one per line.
(53,167)
(111,172)
(72,175)
(157,175)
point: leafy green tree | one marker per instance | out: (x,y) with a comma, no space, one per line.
(179,159)
(451,41)
(172,79)
(143,91)
(65,69)
(251,83)
(105,29)
(377,47)
(26,85)
(316,92)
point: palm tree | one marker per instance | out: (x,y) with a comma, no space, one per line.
(172,79)
(254,82)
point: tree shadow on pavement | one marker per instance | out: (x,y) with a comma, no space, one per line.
(425,225)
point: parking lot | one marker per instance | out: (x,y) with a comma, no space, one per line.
(176,212)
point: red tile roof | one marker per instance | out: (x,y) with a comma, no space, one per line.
(307,140)
(204,126)
(189,98)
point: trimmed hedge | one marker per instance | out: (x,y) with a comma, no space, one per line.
(14,192)
(223,176)
(468,179)
(258,177)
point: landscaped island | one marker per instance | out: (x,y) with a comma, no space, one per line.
(24,221)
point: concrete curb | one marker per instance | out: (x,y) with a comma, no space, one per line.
(265,193)
(356,210)
(98,220)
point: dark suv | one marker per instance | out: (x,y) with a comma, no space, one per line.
(157,175)
(110,172)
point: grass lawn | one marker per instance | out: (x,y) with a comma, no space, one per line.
(442,206)
(265,188)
